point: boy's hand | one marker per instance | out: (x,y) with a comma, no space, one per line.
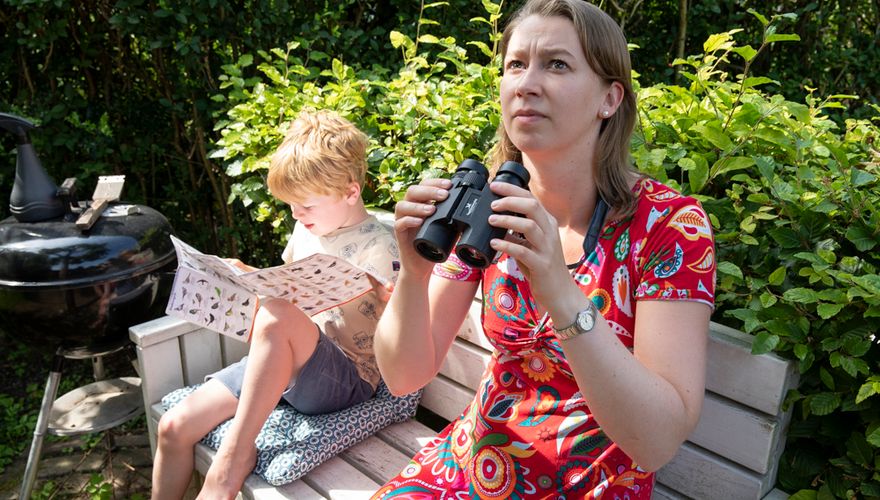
(240,265)
(383,291)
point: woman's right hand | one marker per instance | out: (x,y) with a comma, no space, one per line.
(409,214)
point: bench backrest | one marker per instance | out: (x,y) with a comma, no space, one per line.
(735,449)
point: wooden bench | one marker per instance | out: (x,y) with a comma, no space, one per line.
(732,454)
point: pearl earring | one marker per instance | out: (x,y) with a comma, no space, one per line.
(605,114)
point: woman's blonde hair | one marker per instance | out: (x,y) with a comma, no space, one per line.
(605,49)
(322,153)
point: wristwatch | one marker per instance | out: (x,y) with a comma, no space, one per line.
(583,323)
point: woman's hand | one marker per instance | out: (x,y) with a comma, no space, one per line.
(409,214)
(534,241)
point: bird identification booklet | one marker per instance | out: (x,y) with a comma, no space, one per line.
(219,296)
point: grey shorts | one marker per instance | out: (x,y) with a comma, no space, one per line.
(328,382)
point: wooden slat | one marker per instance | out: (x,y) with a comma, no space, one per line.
(339,480)
(760,382)
(409,437)
(232,349)
(697,473)
(446,398)
(376,459)
(159,330)
(254,486)
(472,330)
(162,362)
(660,492)
(465,363)
(200,351)
(738,433)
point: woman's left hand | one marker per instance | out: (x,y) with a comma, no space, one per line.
(534,241)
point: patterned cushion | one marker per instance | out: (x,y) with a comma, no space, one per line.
(291,444)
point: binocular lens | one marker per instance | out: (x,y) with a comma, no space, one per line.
(430,251)
(472,257)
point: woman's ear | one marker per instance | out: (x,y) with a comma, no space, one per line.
(613,98)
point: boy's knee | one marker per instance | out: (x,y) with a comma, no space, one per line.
(278,318)
(172,428)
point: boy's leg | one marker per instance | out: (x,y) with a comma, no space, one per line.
(284,338)
(180,428)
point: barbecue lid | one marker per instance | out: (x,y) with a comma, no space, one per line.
(126,240)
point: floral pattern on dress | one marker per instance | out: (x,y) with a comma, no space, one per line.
(529,433)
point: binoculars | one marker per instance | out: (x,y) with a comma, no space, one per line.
(464,215)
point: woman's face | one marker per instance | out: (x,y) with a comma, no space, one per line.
(551,99)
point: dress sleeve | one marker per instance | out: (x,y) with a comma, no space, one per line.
(456,270)
(676,258)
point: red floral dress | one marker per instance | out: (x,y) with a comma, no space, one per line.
(529,433)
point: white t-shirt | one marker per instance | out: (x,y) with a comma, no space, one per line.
(371,246)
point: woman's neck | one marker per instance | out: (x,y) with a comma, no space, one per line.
(566,189)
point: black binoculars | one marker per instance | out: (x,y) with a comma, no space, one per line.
(464,215)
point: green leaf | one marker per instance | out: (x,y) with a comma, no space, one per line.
(764,342)
(746,51)
(826,378)
(782,37)
(697,176)
(860,178)
(398,39)
(800,295)
(712,132)
(730,269)
(867,390)
(859,451)
(777,277)
(861,238)
(804,495)
(731,164)
(757,80)
(873,437)
(785,237)
(828,310)
(824,403)
(763,20)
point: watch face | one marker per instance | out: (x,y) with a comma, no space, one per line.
(586,319)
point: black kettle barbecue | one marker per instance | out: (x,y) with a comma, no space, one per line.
(75,275)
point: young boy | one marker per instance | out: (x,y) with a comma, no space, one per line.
(317,364)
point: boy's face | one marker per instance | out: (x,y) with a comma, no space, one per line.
(322,214)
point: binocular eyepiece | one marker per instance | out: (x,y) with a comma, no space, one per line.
(464,215)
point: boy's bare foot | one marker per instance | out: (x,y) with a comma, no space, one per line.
(227,473)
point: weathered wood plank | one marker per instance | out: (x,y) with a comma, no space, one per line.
(465,363)
(446,398)
(697,473)
(232,349)
(254,486)
(760,382)
(376,459)
(159,330)
(738,433)
(409,437)
(162,362)
(201,354)
(339,480)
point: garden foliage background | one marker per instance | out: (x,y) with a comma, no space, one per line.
(768,116)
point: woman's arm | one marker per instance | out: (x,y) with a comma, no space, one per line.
(425,311)
(417,328)
(648,401)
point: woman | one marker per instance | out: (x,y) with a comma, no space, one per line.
(600,346)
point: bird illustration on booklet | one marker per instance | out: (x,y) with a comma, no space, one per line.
(214,294)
